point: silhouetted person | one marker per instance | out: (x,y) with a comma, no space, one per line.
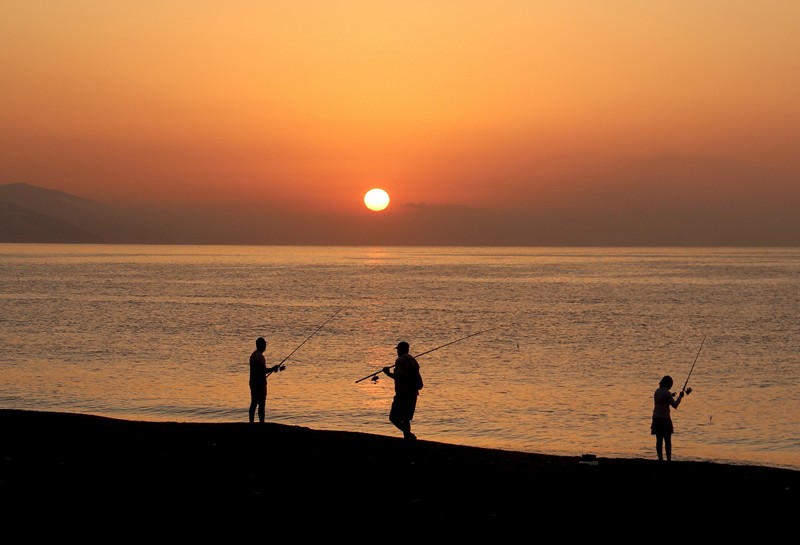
(661,427)
(407,384)
(258,380)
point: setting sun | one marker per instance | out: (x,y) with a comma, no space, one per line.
(376,199)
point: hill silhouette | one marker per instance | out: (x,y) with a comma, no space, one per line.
(36,214)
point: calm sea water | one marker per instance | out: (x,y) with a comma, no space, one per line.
(577,341)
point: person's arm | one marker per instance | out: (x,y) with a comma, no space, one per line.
(399,368)
(676,401)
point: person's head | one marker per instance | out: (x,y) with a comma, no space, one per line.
(402,347)
(666,382)
(261,344)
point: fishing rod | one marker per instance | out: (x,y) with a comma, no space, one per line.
(689,390)
(281,366)
(376,373)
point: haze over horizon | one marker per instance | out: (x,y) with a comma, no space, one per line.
(502,123)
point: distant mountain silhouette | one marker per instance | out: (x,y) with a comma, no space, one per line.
(18,224)
(35,214)
(31,214)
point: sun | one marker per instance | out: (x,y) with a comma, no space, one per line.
(376,199)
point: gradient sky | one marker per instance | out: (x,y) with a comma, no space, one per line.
(583,118)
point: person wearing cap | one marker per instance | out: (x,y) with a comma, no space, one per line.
(258,380)
(407,384)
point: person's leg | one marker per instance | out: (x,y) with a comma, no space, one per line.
(668,446)
(399,416)
(395,414)
(397,421)
(253,404)
(404,425)
(660,446)
(261,403)
(409,416)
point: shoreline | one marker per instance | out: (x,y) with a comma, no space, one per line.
(82,462)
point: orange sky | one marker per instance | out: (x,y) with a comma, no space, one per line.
(568,109)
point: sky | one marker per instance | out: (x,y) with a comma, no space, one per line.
(639,122)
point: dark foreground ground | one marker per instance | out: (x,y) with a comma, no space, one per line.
(86,476)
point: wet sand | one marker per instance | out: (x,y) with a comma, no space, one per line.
(183,479)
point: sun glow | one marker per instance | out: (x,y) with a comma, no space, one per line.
(376,199)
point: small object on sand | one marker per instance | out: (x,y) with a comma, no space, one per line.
(589,459)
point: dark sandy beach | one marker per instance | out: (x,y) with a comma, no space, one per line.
(291,479)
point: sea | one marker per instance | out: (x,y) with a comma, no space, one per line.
(541,350)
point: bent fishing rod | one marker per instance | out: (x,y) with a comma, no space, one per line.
(376,373)
(689,390)
(281,365)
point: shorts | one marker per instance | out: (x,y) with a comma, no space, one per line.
(258,390)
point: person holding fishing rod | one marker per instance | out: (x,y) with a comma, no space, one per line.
(663,400)
(661,426)
(407,384)
(259,372)
(258,380)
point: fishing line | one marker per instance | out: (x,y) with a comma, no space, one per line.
(376,373)
(281,365)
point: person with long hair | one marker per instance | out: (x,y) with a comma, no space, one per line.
(661,425)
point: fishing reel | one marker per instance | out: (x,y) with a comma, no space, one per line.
(687,391)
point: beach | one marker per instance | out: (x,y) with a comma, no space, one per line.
(299,480)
